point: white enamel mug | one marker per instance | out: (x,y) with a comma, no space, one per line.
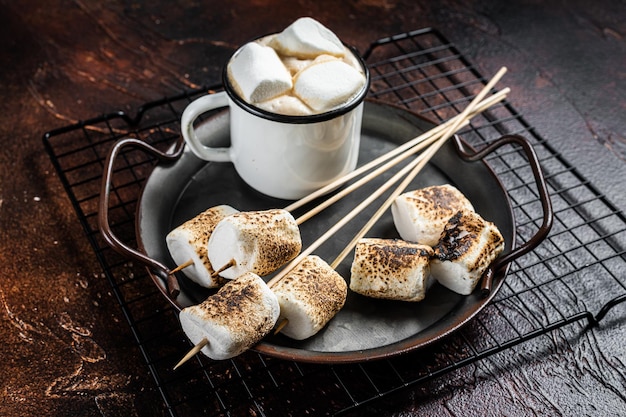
(282,156)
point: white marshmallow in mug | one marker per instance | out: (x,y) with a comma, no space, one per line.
(307,38)
(258,73)
(287,105)
(327,84)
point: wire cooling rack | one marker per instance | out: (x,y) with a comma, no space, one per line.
(551,287)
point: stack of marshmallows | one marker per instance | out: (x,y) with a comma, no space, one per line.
(302,70)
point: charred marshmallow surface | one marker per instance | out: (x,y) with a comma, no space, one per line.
(309,296)
(234,319)
(257,241)
(421,215)
(468,245)
(391,269)
(189,242)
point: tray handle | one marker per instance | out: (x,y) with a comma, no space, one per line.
(544,197)
(158,268)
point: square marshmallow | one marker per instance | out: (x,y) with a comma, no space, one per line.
(258,74)
(327,84)
(307,38)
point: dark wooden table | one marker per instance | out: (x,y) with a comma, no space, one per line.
(65,345)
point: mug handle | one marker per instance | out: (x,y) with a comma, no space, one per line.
(190,114)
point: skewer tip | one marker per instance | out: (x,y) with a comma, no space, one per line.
(194,350)
(230,263)
(280,326)
(181,267)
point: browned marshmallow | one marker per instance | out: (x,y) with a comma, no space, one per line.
(257,241)
(468,245)
(234,319)
(391,269)
(421,215)
(309,297)
(189,242)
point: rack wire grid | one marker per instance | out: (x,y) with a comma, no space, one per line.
(545,290)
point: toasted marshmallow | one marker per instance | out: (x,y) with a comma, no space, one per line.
(468,245)
(234,319)
(189,242)
(309,297)
(327,84)
(391,269)
(421,215)
(258,74)
(257,241)
(307,38)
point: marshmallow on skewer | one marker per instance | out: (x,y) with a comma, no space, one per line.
(257,241)
(234,319)
(421,215)
(309,297)
(189,242)
(391,269)
(258,74)
(468,245)
(307,38)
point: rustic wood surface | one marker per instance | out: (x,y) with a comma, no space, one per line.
(65,346)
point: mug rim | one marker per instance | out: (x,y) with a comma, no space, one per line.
(298,119)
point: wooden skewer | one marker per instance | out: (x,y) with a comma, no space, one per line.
(181,267)
(402,149)
(326,203)
(280,326)
(213,274)
(196,349)
(230,263)
(417,144)
(383,208)
(330,232)
(427,155)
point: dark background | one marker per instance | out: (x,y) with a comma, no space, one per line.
(64,343)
